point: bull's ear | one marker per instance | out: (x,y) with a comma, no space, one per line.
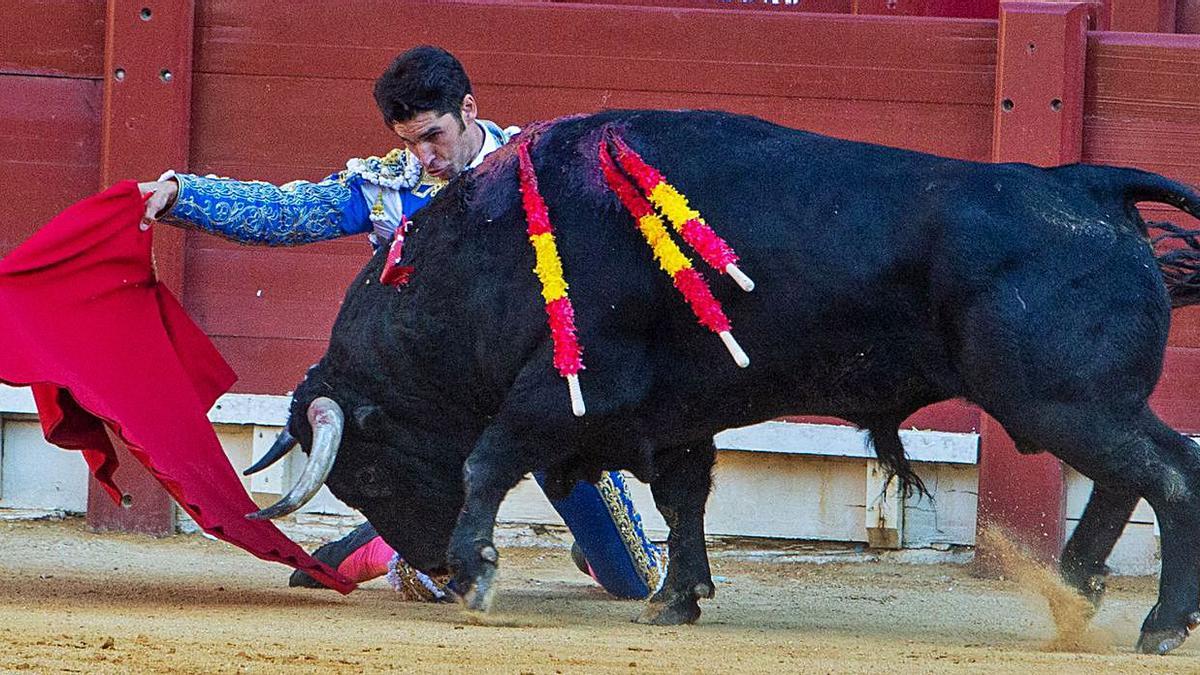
(368,416)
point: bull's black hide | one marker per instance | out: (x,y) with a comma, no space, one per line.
(887,280)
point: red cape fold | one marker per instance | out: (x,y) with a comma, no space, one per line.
(103,344)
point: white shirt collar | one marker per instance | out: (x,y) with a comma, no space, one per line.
(490,145)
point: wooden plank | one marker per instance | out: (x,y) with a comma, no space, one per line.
(1143,110)
(831,440)
(970,9)
(1141,16)
(49,120)
(269,366)
(892,7)
(49,129)
(357,245)
(144,127)
(1039,83)
(274,479)
(884,518)
(275,292)
(229,141)
(1023,495)
(1185,327)
(961,131)
(147,105)
(1039,119)
(975,9)
(811,497)
(831,6)
(1187,18)
(956,415)
(63,38)
(1175,398)
(24,217)
(929,60)
(1143,103)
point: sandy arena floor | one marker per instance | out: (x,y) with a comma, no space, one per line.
(72,601)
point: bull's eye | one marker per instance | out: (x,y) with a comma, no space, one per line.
(367,481)
(368,416)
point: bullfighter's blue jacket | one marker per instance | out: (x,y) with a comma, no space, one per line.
(369,195)
(372,195)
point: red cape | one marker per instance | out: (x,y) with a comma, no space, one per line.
(103,344)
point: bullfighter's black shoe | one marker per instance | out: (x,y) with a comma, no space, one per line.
(334,553)
(579,559)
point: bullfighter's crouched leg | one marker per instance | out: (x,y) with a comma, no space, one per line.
(608,533)
(490,472)
(1082,565)
(360,556)
(680,492)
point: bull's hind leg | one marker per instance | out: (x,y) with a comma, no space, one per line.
(490,472)
(680,494)
(1149,460)
(1103,520)
(1176,502)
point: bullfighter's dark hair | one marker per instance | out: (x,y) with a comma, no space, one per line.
(421,79)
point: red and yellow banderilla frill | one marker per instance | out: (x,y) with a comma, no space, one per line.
(687,280)
(568,355)
(686,220)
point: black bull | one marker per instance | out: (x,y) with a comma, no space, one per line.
(887,280)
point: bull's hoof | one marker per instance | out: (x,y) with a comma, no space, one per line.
(480,591)
(670,613)
(1161,641)
(1093,589)
(1090,581)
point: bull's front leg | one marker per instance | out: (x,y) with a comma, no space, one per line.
(490,472)
(680,494)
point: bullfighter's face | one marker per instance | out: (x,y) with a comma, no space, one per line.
(445,143)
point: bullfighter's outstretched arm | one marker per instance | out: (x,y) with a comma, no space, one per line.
(261,213)
(369,195)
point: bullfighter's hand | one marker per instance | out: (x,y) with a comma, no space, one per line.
(162,196)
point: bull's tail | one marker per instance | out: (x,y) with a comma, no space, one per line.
(1179,257)
(1180,264)
(890,451)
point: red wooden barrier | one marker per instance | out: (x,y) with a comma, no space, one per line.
(1143,109)
(51,53)
(1039,120)
(1141,16)
(144,123)
(57,38)
(930,88)
(274,103)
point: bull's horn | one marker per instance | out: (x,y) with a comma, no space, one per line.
(327,420)
(284,443)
